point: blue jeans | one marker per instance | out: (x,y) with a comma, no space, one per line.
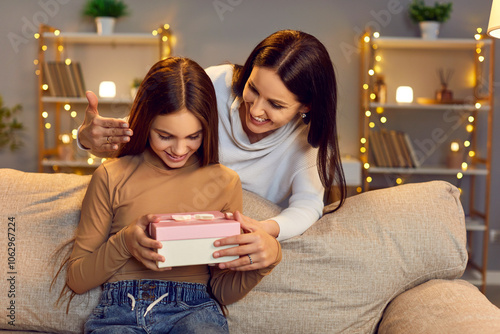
(149,306)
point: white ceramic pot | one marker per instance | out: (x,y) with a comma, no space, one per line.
(105,25)
(429,29)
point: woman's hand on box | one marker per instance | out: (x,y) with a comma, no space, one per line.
(141,246)
(257,248)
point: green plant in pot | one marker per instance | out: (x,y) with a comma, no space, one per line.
(429,17)
(10,127)
(105,13)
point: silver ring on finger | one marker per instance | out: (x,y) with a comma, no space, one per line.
(251,262)
(107,139)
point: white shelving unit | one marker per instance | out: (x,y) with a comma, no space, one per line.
(413,62)
(54,46)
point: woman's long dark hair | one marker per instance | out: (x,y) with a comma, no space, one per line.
(303,64)
(173,84)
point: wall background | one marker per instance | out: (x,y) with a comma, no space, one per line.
(216,31)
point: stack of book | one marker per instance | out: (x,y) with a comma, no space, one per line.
(392,148)
(64,80)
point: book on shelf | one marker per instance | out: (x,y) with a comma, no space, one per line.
(64,80)
(391,148)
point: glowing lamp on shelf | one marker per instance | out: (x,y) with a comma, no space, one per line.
(455,158)
(107,89)
(494,23)
(404,94)
(64,147)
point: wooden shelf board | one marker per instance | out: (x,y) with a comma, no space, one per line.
(70,163)
(407,106)
(438,44)
(55,99)
(474,224)
(94,38)
(427,171)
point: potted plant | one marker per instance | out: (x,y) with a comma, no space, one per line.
(105,13)
(9,127)
(134,86)
(429,17)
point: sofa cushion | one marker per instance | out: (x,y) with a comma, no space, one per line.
(343,271)
(451,306)
(338,276)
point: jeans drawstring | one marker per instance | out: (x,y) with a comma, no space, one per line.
(150,306)
(155,302)
(132,299)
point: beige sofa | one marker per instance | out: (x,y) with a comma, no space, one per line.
(387,262)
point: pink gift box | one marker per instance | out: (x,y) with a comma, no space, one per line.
(188,238)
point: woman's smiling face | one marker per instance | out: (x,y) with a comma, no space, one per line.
(268,104)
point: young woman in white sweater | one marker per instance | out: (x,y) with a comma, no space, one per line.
(277,128)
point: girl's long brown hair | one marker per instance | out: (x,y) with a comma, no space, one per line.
(173,84)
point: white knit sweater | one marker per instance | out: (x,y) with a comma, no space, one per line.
(280,167)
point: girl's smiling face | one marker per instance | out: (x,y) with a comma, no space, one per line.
(268,104)
(176,137)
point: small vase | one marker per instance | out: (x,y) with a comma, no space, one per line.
(444,94)
(105,25)
(429,29)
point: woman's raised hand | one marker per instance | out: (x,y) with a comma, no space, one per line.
(101,135)
(257,248)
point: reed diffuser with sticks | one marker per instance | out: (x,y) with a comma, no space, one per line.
(444,95)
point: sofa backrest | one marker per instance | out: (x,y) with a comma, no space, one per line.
(337,277)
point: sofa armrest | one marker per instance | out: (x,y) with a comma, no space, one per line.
(441,306)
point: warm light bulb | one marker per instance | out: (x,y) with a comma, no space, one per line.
(454,146)
(404,94)
(65,138)
(107,89)
(369,179)
(366,165)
